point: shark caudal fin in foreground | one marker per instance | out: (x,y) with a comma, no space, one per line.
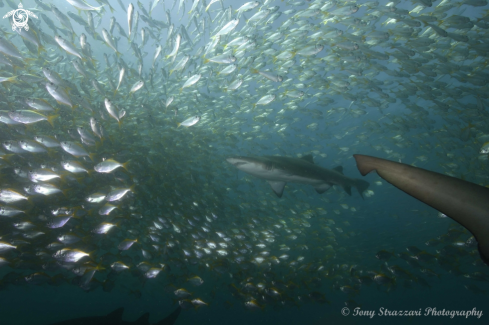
(465,202)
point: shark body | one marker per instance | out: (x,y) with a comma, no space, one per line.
(281,170)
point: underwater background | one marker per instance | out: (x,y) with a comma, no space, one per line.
(403,81)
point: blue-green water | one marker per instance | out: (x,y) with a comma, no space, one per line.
(387,79)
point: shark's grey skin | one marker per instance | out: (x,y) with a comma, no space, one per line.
(280,170)
(465,202)
(115,318)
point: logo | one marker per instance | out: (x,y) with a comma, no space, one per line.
(20,17)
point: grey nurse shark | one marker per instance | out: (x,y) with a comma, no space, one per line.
(280,170)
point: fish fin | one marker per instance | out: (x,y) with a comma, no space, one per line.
(322,188)
(308,158)
(40,49)
(277,187)
(462,201)
(347,189)
(50,119)
(338,169)
(92,155)
(124,165)
(361,186)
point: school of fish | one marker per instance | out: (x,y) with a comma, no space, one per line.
(115,132)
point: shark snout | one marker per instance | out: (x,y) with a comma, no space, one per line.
(236,161)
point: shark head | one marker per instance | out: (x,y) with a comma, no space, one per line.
(247,164)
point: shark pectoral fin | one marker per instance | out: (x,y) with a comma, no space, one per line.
(115,317)
(465,202)
(339,169)
(277,187)
(322,188)
(308,158)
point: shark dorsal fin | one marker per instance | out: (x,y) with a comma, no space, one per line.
(338,169)
(115,317)
(277,187)
(308,158)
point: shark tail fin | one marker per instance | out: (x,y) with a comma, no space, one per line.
(361,186)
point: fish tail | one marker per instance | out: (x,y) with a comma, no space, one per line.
(51,119)
(98,144)
(52,154)
(40,49)
(92,156)
(13,79)
(124,165)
